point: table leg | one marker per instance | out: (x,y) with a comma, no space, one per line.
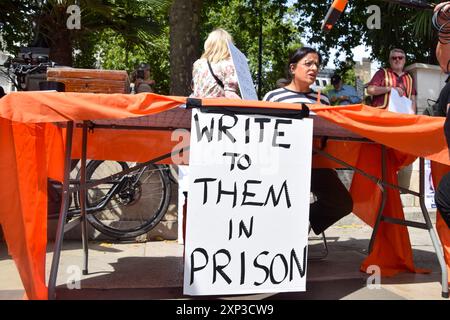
(383,199)
(432,231)
(62,214)
(84,234)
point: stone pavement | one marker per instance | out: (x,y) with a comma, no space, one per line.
(154,270)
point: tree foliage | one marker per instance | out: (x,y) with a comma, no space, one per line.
(242,19)
(401,27)
(135,22)
(16,25)
(138,32)
(120,33)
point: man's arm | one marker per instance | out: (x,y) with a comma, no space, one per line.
(332,95)
(353,95)
(333,99)
(376,87)
(377,90)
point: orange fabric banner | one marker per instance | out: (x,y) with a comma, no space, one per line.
(421,136)
(38,107)
(23,195)
(392,251)
(132,145)
(31,150)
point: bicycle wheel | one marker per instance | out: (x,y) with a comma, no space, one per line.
(136,208)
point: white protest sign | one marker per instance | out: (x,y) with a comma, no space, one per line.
(248,204)
(399,104)
(246,86)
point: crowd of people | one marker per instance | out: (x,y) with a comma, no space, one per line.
(214,76)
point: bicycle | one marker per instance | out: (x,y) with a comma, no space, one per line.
(127,206)
(121,208)
(18,71)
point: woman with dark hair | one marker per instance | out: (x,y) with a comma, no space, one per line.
(333,201)
(303,67)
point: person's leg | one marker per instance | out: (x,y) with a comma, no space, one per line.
(333,199)
(442,198)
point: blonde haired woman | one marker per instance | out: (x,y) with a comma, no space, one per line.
(214,74)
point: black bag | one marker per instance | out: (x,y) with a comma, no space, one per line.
(54,198)
(54,194)
(434,110)
(219,82)
(439,108)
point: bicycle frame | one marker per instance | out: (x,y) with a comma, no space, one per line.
(115,189)
(117,186)
(111,193)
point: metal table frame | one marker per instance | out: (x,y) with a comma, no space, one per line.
(62,227)
(382,184)
(82,186)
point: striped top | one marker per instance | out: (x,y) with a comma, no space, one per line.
(290,96)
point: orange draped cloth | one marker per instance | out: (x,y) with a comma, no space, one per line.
(32,149)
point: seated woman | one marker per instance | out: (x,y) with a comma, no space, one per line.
(333,200)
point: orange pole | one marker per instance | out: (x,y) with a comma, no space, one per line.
(337,7)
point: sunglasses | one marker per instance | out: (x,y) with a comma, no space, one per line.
(397,58)
(310,64)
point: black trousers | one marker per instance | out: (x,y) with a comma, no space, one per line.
(442,198)
(333,199)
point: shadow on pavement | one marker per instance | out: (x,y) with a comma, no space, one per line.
(336,277)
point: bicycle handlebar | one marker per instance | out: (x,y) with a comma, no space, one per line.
(26,69)
(22,69)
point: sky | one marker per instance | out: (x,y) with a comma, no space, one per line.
(359,52)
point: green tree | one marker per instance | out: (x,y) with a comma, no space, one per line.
(46,19)
(16,27)
(111,52)
(242,19)
(128,32)
(402,27)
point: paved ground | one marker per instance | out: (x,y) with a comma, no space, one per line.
(153,270)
